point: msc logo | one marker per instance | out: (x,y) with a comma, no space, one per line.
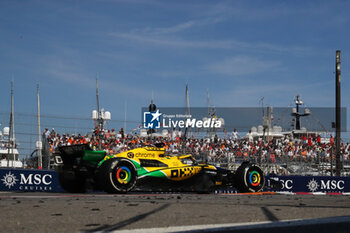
(330,185)
(10,179)
(151,120)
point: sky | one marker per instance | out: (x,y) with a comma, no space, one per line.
(237,51)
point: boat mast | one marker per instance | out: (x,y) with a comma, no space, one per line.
(39,144)
(99,118)
(297,114)
(187,101)
(12,131)
(97,101)
(208,101)
(188,112)
(125,109)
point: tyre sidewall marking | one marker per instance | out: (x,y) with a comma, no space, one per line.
(246,175)
(111,174)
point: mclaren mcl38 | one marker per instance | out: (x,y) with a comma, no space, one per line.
(148,168)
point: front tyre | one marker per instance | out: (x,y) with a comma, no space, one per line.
(117,176)
(249,178)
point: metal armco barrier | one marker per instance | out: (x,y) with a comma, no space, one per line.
(26,180)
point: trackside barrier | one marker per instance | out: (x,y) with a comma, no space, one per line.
(26,180)
(301,185)
(29,180)
(308,184)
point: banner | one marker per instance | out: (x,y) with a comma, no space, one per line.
(29,180)
(310,184)
(26,180)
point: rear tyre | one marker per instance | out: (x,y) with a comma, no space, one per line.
(117,176)
(249,178)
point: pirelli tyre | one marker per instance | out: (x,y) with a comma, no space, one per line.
(249,178)
(117,176)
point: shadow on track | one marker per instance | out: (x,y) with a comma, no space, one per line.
(270,216)
(108,228)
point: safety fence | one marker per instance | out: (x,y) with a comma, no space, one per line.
(283,164)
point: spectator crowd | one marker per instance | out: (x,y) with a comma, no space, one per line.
(227,149)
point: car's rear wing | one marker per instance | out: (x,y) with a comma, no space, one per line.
(75,154)
(74,150)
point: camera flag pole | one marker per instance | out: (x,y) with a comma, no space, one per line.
(39,143)
(337,114)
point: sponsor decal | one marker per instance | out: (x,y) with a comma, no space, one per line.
(30,180)
(183,172)
(154,148)
(332,185)
(35,182)
(286,184)
(130,155)
(326,185)
(144,155)
(312,185)
(9,180)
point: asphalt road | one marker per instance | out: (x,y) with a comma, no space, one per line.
(44,212)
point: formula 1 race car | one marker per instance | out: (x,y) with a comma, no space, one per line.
(148,168)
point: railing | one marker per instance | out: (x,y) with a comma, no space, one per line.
(283,164)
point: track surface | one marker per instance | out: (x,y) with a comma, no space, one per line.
(44,212)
